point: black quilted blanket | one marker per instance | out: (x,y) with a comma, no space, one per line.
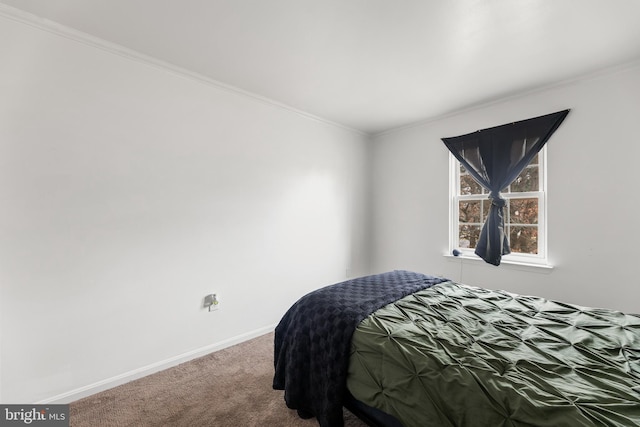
(313,339)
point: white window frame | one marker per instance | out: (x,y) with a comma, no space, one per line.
(539,259)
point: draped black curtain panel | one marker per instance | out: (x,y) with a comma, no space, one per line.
(495,157)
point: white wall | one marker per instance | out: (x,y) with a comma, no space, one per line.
(129,192)
(592,179)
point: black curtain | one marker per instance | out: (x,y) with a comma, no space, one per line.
(495,157)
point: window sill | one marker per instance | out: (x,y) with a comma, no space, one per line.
(510,264)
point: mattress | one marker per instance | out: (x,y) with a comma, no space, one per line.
(456,355)
(313,339)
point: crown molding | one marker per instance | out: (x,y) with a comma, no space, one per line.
(29,19)
(591,75)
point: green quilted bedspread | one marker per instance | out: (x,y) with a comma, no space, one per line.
(455,355)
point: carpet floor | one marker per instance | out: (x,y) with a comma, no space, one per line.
(231,387)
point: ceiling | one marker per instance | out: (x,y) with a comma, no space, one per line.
(371,65)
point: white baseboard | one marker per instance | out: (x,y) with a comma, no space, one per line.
(126,377)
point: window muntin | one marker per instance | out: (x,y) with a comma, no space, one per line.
(524,212)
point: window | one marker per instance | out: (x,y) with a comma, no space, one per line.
(524,214)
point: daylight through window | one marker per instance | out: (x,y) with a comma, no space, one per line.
(524,213)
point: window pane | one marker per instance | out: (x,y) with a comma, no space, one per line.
(527,180)
(524,240)
(469,211)
(468,185)
(523,211)
(521,214)
(486,205)
(469,235)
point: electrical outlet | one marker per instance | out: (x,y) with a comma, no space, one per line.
(212,302)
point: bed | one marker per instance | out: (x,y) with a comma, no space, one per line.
(407,349)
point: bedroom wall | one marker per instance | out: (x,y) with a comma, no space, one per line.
(593,229)
(129,191)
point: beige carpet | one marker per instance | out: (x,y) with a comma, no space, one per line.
(231,387)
